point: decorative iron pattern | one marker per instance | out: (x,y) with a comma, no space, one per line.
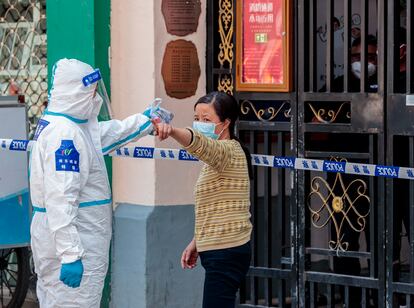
(226,53)
(226,32)
(331,115)
(23,48)
(340,204)
(265,114)
(225,84)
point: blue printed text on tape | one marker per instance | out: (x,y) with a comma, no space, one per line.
(18,145)
(144,152)
(184,155)
(334,166)
(387,171)
(284,162)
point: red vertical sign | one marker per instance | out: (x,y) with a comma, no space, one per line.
(262,42)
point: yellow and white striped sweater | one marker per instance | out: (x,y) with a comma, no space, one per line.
(222,203)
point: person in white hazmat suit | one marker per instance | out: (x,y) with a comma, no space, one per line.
(70,191)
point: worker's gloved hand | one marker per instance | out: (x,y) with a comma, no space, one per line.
(157,113)
(71,273)
(162,115)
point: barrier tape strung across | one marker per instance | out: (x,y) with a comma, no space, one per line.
(257,160)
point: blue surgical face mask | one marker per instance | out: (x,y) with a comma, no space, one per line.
(208,129)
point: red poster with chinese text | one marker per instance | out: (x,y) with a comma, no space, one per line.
(262,42)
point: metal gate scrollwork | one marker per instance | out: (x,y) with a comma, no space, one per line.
(337,206)
(226,53)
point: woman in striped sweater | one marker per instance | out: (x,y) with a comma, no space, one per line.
(222,205)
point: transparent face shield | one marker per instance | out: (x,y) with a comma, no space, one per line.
(95,80)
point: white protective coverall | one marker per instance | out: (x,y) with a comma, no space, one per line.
(70,191)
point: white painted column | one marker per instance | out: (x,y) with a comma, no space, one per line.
(138,40)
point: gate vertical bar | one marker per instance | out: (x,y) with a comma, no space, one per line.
(364,33)
(347,41)
(411,211)
(280,210)
(253,197)
(312,47)
(382,90)
(391,63)
(409,48)
(267,220)
(372,215)
(329,44)
(294,257)
(299,174)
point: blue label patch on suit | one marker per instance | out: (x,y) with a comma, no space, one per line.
(67,157)
(41,125)
(92,78)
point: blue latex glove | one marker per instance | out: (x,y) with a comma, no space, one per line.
(155,112)
(71,273)
(155,105)
(163,115)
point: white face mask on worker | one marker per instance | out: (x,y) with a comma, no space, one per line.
(356,69)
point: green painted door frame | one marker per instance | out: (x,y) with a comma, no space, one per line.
(81,29)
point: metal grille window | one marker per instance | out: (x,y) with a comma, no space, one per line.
(23,65)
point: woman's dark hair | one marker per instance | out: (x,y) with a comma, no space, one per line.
(226,107)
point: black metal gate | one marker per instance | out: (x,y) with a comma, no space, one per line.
(329,240)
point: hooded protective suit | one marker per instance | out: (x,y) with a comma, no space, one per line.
(70,190)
